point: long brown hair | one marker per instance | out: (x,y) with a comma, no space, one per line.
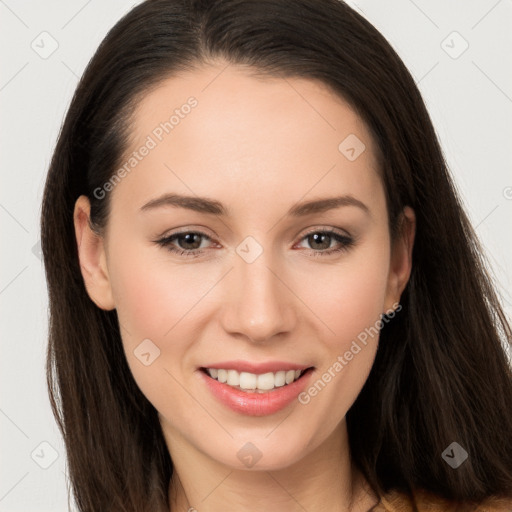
(441,372)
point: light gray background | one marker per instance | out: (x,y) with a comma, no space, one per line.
(469,97)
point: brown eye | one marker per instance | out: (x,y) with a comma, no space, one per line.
(188,243)
(320,242)
(189,240)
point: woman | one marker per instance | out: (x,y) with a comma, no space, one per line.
(255,369)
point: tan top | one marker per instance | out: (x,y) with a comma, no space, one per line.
(396,501)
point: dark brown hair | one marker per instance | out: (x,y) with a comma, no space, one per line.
(441,373)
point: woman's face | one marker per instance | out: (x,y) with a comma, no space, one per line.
(276,277)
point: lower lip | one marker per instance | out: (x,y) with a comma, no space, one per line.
(254,403)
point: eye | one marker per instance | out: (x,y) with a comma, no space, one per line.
(320,240)
(189,243)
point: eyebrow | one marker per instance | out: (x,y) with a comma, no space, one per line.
(213,207)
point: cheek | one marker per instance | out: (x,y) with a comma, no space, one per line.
(163,301)
(349,296)
(154,303)
(145,302)
(151,294)
(151,298)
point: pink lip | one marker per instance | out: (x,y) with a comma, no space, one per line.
(258,368)
(256,403)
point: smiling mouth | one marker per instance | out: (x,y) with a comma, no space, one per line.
(255,383)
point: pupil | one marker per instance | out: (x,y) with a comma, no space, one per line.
(316,237)
(189,239)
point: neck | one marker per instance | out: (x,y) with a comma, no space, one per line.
(322,481)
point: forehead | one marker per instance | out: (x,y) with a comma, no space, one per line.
(238,100)
(221,128)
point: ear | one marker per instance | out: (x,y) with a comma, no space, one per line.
(91,253)
(401,258)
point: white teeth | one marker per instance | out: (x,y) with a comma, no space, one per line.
(248,380)
(252,381)
(266,381)
(280,379)
(233,378)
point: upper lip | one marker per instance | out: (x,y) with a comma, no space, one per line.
(257,368)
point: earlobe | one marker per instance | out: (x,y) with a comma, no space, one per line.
(401,258)
(92,257)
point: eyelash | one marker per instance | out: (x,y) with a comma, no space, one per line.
(346,243)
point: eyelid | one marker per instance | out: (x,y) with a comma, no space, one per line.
(187,229)
(346,240)
(201,231)
(338,231)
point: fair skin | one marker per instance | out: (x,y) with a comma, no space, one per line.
(259,147)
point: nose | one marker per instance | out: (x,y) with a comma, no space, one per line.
(259,302)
